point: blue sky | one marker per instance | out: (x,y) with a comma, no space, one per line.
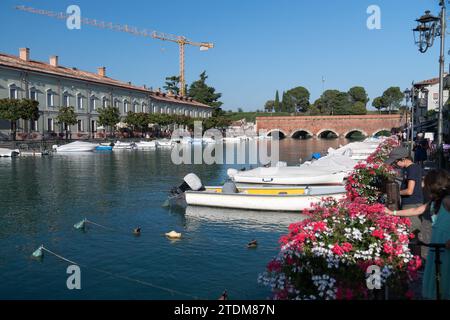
(260,45)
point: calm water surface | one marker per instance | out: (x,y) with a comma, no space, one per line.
(42,198)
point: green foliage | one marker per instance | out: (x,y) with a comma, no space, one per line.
(378,103)
(172,84)
(29,109)
(66,115)
(269,106)
(358,108)
(330,102)
(109,116)
(13,110)
(276,105)
(240,110)
(358,94)
(313,110)
(202,93)
(138,121)
(10,109)
(296,100)
(392,97)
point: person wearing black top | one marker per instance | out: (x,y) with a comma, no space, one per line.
(411,191)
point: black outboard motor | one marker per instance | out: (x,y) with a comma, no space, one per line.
(190,182)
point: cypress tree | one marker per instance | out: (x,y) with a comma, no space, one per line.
(277,102)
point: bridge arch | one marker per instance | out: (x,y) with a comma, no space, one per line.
(325,133)
(381,130)
(301,134)
(349,132)
(281,133)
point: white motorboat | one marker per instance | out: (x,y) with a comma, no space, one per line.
(143,145)
(119,145)
(301,175)
(164,143)
(77,146)
(250,196)
(263,202)
(7,153)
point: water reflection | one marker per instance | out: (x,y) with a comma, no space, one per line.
(242,219)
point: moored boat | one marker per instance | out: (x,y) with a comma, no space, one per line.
(103,148)
(164,143)
(263,202)
(119,145)
(145,145)
(77,146)
(7,153)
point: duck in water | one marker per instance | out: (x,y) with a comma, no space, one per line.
(224,296)
(252,244)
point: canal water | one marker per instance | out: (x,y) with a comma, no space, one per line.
(42,199)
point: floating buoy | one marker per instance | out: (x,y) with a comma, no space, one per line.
(137,231)
(81,224)
(38,254)
(173,235)
(224,296)
(252,244)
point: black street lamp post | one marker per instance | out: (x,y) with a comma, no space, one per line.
(428,28)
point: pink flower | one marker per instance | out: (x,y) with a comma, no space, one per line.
(338,250)
(378,234)
(347,247)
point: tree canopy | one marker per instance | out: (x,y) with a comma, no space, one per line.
(203,93)
(13,110)
(296,100)
(358,94)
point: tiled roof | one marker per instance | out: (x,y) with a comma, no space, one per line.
(429,81)
(74,73)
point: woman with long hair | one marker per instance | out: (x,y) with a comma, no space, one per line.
(437,184)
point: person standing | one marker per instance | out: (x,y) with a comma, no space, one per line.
(420,149)
(411,190)
(437,184)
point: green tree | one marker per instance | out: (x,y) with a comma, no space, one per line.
(358,108)
(358,94)
(276,105)
(172,84)
(392,98)
(297,99)
(67,117)
(269,106)
(240,110)
(285,104)
(333,102)
(29,109)
(203,93)
(377,103)
(313,110)
(10,110)
(109,116)
(138,121)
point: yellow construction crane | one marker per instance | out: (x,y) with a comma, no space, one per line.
(182,41)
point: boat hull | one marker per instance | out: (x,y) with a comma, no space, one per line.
(255,202)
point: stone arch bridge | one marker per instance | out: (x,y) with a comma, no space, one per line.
(323,126)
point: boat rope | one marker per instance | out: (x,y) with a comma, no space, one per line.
(99,225)
(114,275)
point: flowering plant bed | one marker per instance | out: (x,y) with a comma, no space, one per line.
(327,255)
